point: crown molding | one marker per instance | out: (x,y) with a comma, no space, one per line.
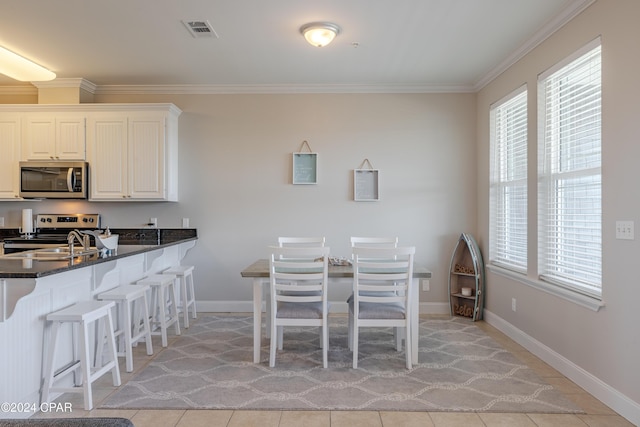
(274,89)
(571,11)
(67,83)
(233,89)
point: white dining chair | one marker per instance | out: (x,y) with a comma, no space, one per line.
(298,292)
(376,242)
(292,242)
(381,293)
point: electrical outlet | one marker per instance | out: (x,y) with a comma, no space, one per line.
(513,304)
(425,284)
(1,221)
(624,230)
(153,222)
(185,222)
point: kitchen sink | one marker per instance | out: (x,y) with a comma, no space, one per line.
(53,254)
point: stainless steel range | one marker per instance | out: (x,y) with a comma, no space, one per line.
(52,231)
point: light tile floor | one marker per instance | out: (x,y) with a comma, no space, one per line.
(597,413)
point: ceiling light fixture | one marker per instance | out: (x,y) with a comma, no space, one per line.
(20,68)
(319,34)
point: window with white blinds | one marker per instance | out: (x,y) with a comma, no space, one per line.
(569,204)
(508,188)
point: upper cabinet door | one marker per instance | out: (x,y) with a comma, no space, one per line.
(54,137)
(147,157)
(108,157)
(9,157)
(70,138)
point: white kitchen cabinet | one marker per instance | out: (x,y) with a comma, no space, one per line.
(56,136)
(10,132)
(133,155)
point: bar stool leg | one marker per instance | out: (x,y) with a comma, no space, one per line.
(85,366)
(145,323)
(115,371)
(185,300)
(162,313)
(191,300)
(53,348)
(126,327)
(174,311)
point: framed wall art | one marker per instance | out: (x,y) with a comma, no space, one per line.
(305,166)
(365,183)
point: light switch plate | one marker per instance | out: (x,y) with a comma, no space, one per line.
(624,230)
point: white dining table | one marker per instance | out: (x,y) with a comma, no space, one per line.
(258,272)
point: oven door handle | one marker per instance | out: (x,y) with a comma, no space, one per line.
(70,180)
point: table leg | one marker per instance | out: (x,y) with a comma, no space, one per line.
(415,320)
(257,319)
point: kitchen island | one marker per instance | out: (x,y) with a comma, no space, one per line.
(30,289)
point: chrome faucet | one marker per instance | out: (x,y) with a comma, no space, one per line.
(82,239)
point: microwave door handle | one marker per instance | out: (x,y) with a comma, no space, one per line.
(70,180)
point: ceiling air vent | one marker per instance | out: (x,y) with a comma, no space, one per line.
(200,29)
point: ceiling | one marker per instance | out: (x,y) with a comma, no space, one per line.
(384,45)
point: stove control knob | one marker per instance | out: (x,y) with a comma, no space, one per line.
(43,220)
(48,219)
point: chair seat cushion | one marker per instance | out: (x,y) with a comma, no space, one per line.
(370,310)
(297,310)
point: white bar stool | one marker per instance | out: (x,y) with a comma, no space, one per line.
(82,315)
(186,296)
(163,303)
(133,319)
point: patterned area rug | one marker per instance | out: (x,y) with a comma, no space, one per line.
(460,369)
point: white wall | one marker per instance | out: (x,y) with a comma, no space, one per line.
(235,179)
(600,350)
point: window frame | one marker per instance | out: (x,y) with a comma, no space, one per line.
(509,181)
(557,263)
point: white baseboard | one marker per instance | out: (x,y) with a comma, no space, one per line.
(611,397)
(336,307)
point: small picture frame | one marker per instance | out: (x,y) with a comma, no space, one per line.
(305,168)
(365,185)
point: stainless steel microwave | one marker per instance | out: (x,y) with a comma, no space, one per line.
(53,180)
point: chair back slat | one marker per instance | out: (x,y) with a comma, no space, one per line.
(301,241)
(380,242)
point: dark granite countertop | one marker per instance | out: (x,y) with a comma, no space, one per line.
(21,268)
